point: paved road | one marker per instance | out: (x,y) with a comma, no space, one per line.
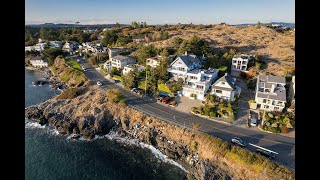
(285,146)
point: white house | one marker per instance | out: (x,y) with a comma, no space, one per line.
(153,61)
(130,67)
(40,46)
(39,62)
(183,64)
(119,61)
(29,48)
(240,62)
(55,44)
(70,46)
(270,93)
(198,82)
(225,88)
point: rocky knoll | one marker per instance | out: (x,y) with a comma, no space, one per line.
(91,113)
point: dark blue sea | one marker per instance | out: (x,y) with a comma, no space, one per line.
(50,156)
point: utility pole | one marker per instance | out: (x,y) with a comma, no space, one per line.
(146,84)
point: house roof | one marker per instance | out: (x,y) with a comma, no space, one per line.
(273,79)
(188,60)
(226,78)
(279,92)
(120,57)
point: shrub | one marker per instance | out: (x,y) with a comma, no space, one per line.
(196,126)
(284,129)
(251,84)
(193,95)
(193,146)
(194,109)
(114,95)
(212,114)
(123,103)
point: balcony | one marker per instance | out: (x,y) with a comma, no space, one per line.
(192,87)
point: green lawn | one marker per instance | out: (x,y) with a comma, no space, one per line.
(74,64)
(163,88)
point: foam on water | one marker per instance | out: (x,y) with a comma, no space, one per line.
(112,135)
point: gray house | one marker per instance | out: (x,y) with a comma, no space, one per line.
(270,93)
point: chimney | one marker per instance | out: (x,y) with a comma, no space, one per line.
(186,53)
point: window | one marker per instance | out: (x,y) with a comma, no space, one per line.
(267,90)
(276,108)
(234,61)
(264,100)
(218,91)
(199,87)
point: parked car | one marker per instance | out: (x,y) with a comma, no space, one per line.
(253,122)
(99,83)
(78,60)
(238,141)
(167,99)
(84,68)
(253,118)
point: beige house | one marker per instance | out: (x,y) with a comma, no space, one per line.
(119,61)
(225,88)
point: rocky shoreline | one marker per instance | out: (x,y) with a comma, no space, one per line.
(54,82)
(96,119)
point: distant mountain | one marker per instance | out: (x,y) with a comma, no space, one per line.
(283,23)
(52,25)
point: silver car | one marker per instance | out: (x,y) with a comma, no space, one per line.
(238,141)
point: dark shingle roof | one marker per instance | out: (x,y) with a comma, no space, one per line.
(188,59)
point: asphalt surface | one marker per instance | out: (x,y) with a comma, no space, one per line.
(285,146)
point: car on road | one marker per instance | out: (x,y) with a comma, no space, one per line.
(238,141)
(133,89)
(99,83)
(266,153)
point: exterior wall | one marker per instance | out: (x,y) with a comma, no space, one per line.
(227,95)
(120,64)
(268,106)
(200,93)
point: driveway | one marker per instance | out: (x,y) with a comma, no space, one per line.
(245,96)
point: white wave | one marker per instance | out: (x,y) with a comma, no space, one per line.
(158,154)
(34,125)
(53,131)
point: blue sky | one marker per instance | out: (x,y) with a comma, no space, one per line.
(158,11)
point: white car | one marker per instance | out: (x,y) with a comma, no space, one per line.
(238,141)
(78,60)
(253,122)
(99,83)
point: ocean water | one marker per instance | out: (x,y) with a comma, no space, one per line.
(49,155)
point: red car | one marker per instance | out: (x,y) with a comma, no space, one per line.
(167,100)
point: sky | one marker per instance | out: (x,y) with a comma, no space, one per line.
(159,11)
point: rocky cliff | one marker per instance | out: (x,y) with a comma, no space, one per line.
(91,113)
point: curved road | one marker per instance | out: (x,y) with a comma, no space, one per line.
(285,146)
